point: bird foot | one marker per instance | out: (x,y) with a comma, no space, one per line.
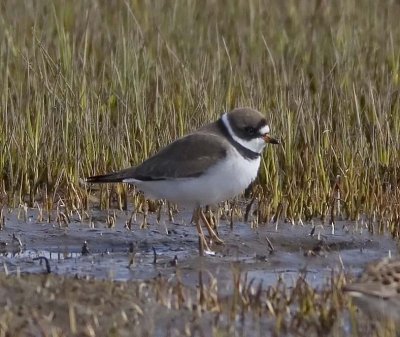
(212,233)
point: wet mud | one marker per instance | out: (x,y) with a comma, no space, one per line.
(55,276)
(91,249)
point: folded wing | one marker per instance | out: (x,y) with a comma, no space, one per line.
(186,157)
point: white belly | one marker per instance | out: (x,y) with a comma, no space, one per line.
(221,182)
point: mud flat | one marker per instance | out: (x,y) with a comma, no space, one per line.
(126,279)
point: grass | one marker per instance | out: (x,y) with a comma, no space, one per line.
(95,86)
(49,305)
(54,306)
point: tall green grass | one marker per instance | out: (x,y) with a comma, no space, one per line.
(93,86)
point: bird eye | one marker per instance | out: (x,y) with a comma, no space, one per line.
(250,130)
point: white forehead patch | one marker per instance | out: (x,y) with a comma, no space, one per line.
(264,130)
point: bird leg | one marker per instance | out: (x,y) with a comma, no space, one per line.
(159,210)
(144,224)
(211,231)
(203,242)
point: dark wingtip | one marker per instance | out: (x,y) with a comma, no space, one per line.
(113,177)
(92,179)
(105,178)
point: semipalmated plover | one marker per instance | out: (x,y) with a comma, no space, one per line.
(207,166)
(377,292)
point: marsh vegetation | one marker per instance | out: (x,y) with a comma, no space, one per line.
(93,86)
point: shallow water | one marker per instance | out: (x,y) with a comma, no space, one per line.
(122,254)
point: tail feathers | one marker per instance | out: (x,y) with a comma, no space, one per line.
(115,177)
(105,178)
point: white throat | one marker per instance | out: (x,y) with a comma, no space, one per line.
(255,144)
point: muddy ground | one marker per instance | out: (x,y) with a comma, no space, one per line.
(80,273)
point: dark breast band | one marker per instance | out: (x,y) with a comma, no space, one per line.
(245,152)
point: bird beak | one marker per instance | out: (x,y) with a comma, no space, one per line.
(268,139)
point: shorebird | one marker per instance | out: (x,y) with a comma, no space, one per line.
(210,165)
(377,292)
